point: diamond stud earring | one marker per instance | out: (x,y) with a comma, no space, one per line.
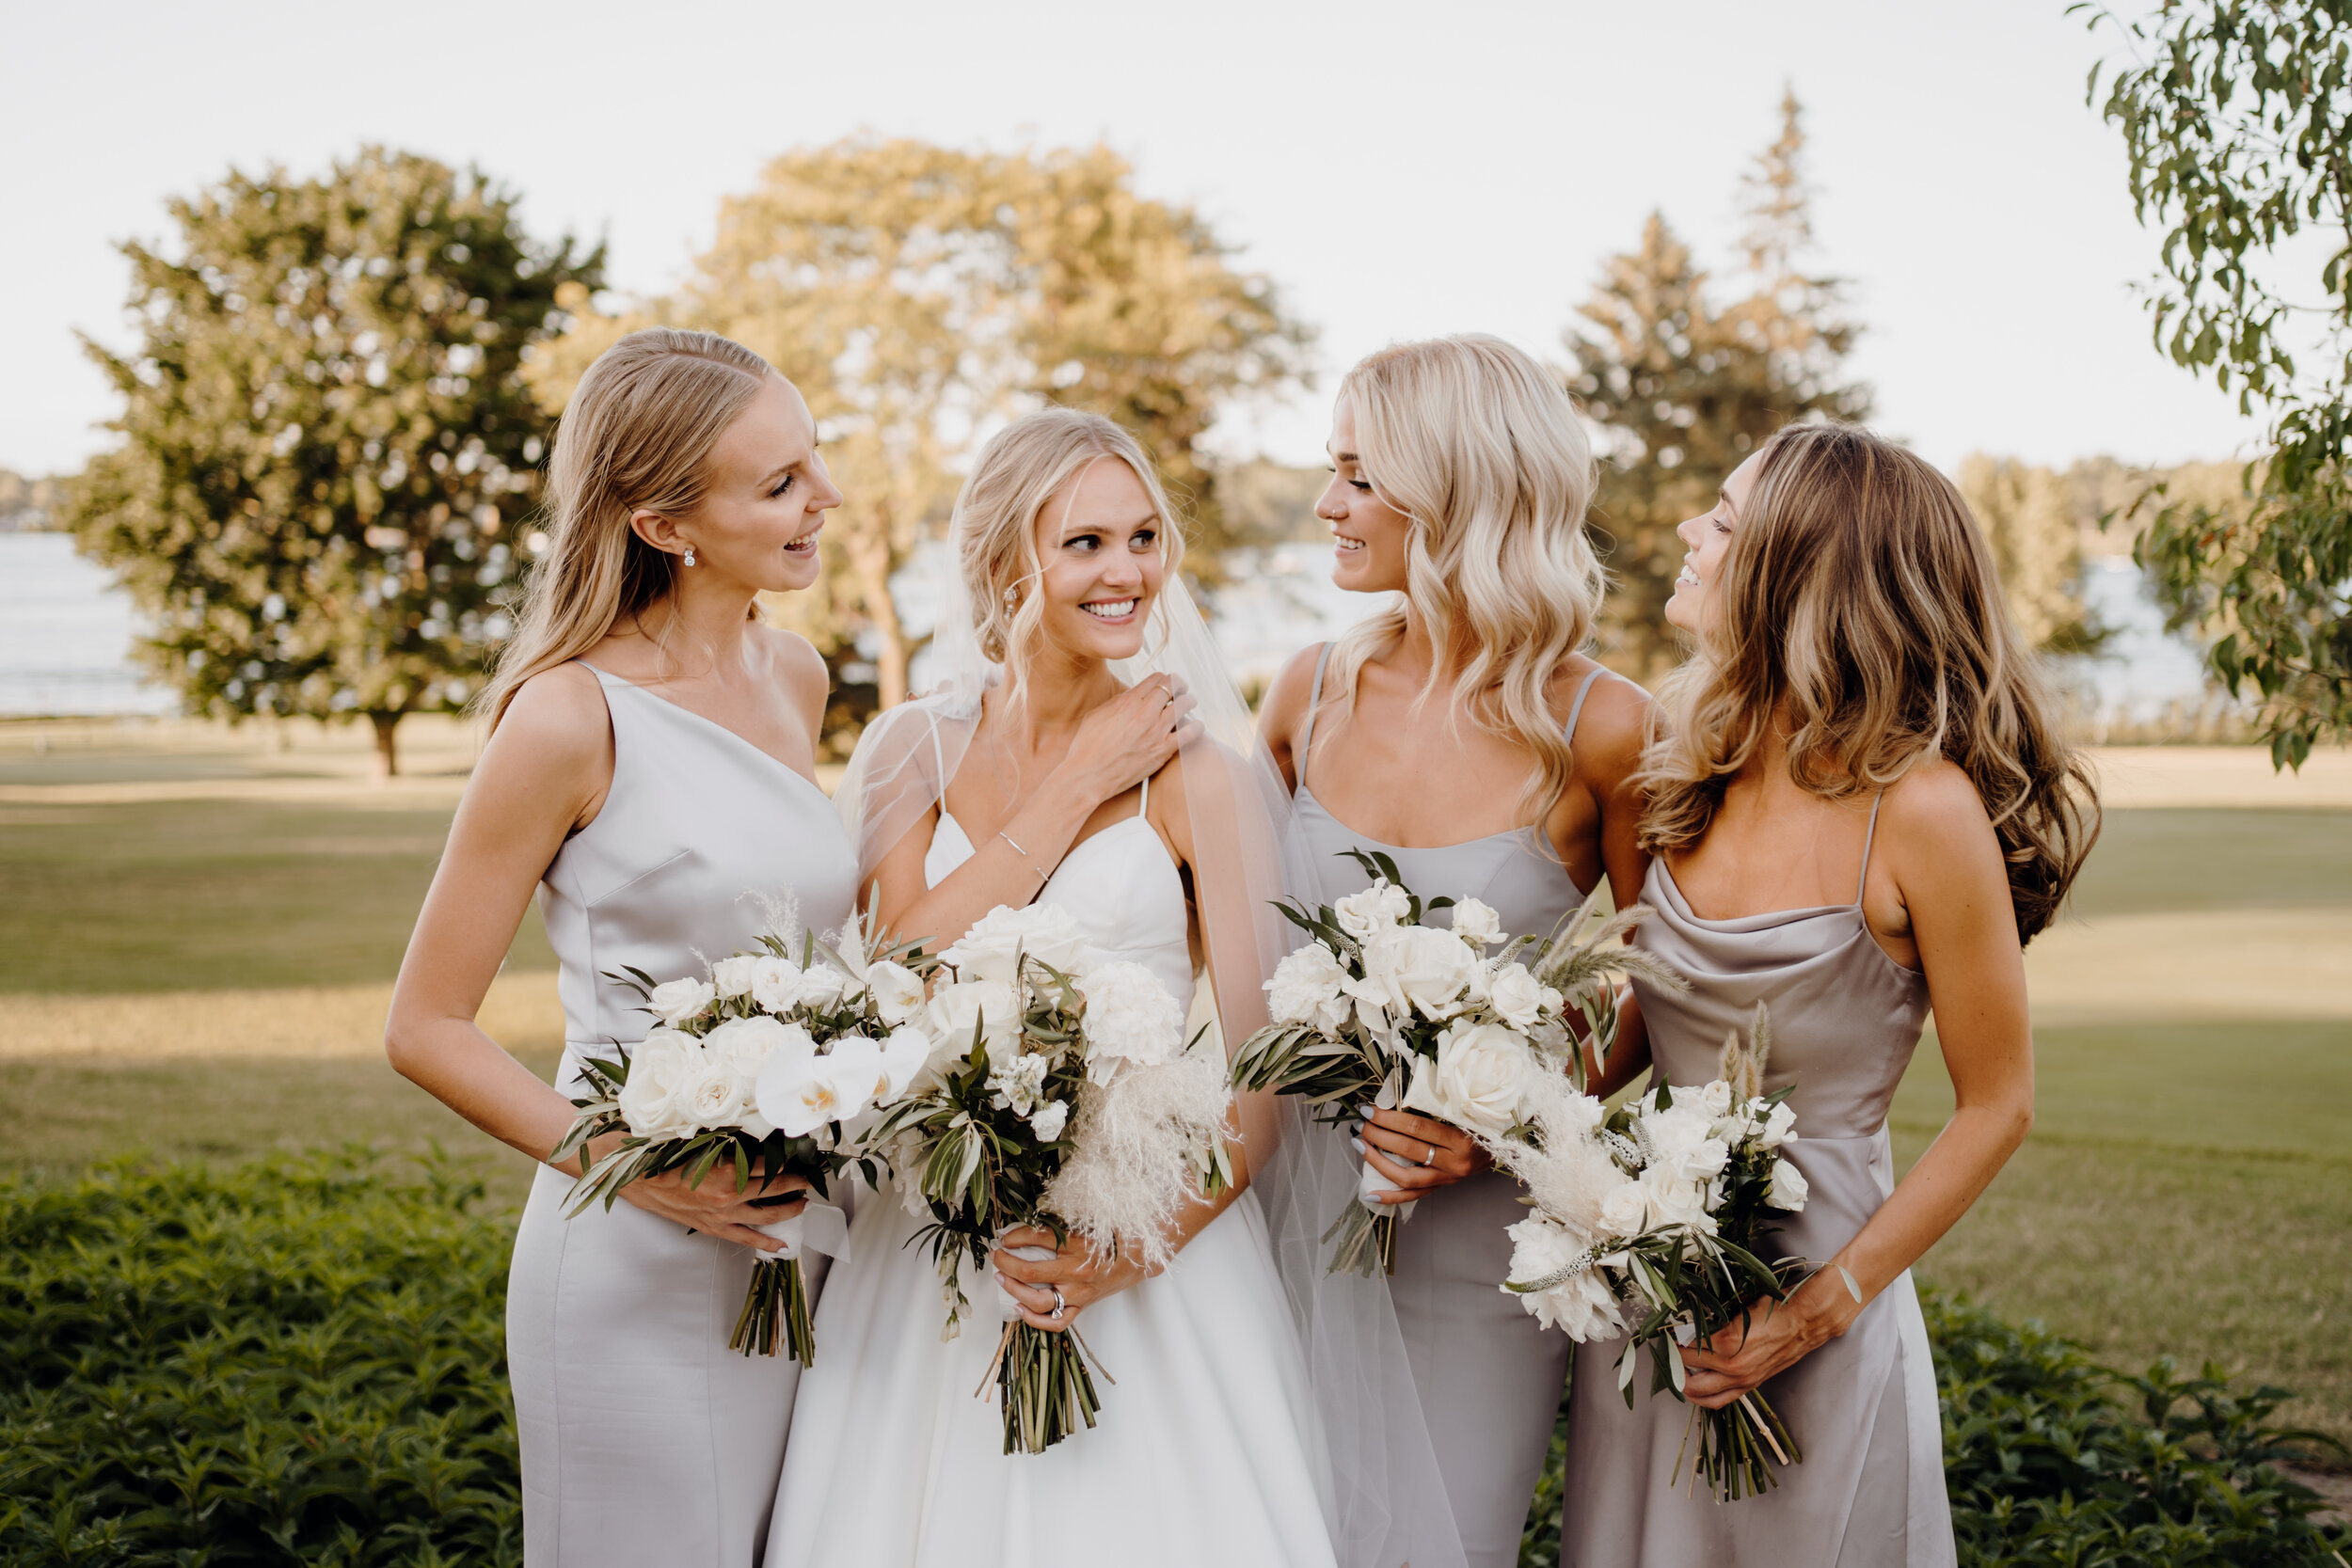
(690,555)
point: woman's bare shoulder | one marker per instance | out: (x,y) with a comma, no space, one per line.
(1286,705)
(1613,727)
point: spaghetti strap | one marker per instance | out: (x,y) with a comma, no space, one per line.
(1868,834)
(1576,709)
(1314,699)
(1144,805)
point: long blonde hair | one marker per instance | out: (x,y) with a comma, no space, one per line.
(1482,450)
(1859,592)
(992,532)
(636,437)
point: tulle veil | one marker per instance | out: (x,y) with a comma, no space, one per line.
(1386,1501)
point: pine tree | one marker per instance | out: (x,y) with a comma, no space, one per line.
(1686,389)
(327,443)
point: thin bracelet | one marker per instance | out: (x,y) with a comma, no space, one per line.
(1043,877)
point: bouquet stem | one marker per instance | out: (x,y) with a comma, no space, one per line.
(776,1306)
(1045,1386)
(1363,1242)
(1738,1446)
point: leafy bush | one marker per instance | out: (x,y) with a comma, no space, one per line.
(2054,1462)
(298,1361)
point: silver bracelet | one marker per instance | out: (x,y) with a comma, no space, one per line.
(1043,875)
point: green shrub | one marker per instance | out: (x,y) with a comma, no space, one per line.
(2053,1461)
(301,1360)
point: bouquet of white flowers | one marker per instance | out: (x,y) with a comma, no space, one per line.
(770,1065)
(1651,1222)
(1382,1009)
(1060,1093)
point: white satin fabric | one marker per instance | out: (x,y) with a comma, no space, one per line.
(1206,1449)
(646,1439)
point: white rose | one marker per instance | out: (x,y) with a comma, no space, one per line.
(1520,997)
(993,948)
(956,1009)
(1715,1100)
(675,1001)
(777,984)
(1306,986)
(822,985)
(801,1093)
(1019,1084)
(1417,967)
(1478,1081)
(898,993)
(1130,1017)
(658,1070)
(1682,1140)
(1787,1188)
(1378,907)
(1675,1201)
(715,1095)
(1580,1306)
(732,978)
(1474,922)
(1780,1127)
(746,1043)
(1625,1211)
(1048,1120)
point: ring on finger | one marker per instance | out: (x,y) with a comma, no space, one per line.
(1060,1305)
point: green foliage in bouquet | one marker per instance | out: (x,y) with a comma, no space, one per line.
(299,1361)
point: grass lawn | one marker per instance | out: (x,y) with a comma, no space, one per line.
(2187,1190)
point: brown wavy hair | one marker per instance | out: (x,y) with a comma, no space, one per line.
(1859,596)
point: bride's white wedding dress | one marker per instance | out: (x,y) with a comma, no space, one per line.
(1205,1450)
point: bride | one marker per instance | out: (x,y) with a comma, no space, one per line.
(1085,749)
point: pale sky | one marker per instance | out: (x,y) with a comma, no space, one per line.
(1399,169)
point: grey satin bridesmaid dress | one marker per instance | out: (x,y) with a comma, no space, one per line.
(1488,1375)
(1869,1491)
(644,1439)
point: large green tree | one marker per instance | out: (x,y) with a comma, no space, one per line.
(2238,116)
(326,441)
(1687,386)
(920,295)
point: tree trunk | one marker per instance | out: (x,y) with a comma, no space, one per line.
(386,757)
(871,558)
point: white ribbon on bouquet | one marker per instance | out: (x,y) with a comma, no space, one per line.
(817,1227)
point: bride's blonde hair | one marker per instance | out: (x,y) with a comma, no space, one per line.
(992,533)
(1482,450)
(636,437)
(1859,594)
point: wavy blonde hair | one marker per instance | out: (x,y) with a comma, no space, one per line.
(1475,443)
(636,437)
(1859,592)
(992,532)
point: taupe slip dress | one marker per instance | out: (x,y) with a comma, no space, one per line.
(1488,1376)
(1869,1492)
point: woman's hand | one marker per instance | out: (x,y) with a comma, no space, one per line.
(1133,735)
(1417,1154)
(717,1208)
(1081,1277)
(1778,1334)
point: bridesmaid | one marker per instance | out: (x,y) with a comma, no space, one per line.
(649,766)
(1464,733)
(1860,810)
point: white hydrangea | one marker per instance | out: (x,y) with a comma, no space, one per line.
(1579,1304)
(1130,1017)
(1019,1084)
(1306,989)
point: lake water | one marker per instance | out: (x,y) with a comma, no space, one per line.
(66,631)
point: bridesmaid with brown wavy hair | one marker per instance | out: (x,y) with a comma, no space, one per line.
(1859,811)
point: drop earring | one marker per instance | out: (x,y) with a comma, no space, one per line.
(690,555)
(1012,597)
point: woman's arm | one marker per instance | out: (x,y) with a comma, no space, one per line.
(544,773)
(1119,745)
(1945,863)
(1284,710)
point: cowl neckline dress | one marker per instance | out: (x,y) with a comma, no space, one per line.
(1869,1491)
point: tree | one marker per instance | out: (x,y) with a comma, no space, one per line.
(2237,118)
(326,439)
(2034,521)
(919,295)
(1687,389)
